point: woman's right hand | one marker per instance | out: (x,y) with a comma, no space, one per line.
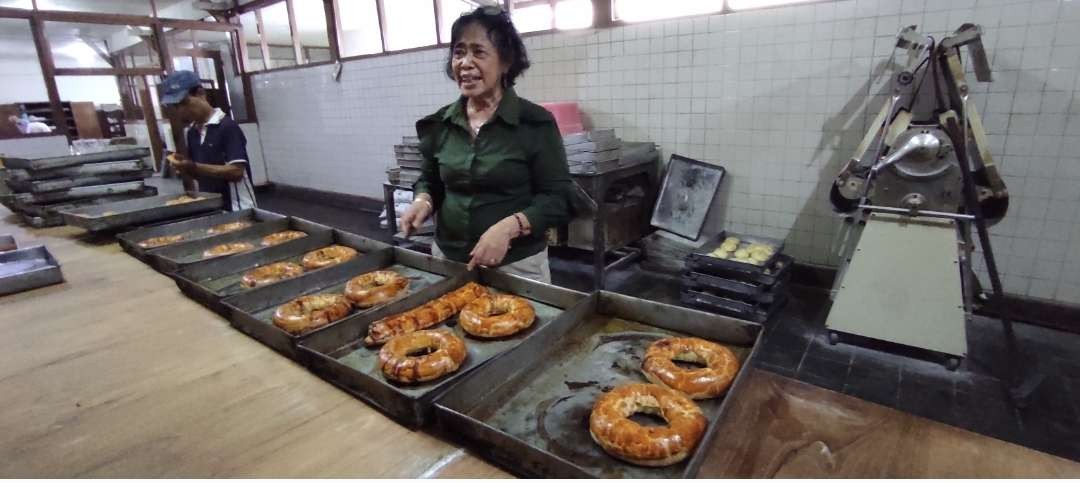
(415,216)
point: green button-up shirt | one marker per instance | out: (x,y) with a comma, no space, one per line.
(516,163)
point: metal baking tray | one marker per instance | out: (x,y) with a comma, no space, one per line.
(686,196)
(53,209)
(109,167)
(702,258)
(76,159)
(58,184)
(193,229)
(755,293)
(121,214)
(252,312)
(528,410)
(170,259)
(338,355)
(704,299)
(769,275)
(7,243)
(28,268)
(80,192)
(209,283)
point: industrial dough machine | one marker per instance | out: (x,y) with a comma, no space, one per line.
(918,182)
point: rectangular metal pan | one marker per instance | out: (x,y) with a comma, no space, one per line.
(7,243)
(58,184)
(28,268)
(76,159)
(193,229)
(209,283)
(80,192)
(701,256)
(96,169)
(172,258)
(339,356)
(528,409)
(705,299)
(122,214)
(747,273)
(52,209)
(252,312)
(754,293)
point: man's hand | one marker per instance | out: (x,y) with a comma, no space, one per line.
(415,216)
(181,164)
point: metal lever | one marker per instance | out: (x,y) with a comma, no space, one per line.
(924,144)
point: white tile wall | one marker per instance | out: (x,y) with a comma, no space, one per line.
(779,97)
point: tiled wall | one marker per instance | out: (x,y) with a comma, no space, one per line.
(779,97)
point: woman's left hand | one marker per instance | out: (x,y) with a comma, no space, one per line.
(493,244)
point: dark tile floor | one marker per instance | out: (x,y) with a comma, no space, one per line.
(797,346)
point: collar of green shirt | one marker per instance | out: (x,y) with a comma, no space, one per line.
(509,110)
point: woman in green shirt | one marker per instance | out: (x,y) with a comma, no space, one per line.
(494,169)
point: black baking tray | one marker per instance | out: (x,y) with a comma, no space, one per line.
(193,229)
(28,268)
(705,299)
(528,409)
(756,293)
(768,275)
(172,258)
(252,312)
(339,356)
(209,283)
(701,255)
(54,162)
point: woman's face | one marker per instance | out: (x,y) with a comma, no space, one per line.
(476,65)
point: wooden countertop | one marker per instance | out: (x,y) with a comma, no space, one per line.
(116,373)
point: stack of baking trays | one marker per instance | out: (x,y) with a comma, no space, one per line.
(505,365)
(738,275)
(408,159)
(39,189)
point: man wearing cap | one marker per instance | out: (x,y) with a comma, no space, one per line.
(217,149)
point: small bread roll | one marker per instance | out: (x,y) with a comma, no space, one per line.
(719,253)
(731,240)
(742,253)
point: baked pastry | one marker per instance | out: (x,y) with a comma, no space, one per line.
(423,316)
(309,312)
(267,274)
(710,381)
(179,200)
(327,256)
(227,249)
(160,241)
(496,316)
(611,427)
(281,237)
(422,356)
(374,288)
(228,227)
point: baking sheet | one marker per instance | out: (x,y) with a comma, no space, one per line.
(209,283)
(28,268)
(120,214)
(171,258)
(58,184)
(80,192)
(686,195)
(76,159)
(528,409)
(109,167)
(253,311)
(193,229)
(339,356)
(7,243)
(702,255)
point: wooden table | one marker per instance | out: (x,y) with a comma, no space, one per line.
(115,373)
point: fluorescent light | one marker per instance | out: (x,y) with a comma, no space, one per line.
(749,4)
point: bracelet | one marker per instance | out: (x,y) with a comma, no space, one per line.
(521,226)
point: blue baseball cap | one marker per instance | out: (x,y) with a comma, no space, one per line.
(176,86)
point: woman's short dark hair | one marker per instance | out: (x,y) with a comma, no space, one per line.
(503,36)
